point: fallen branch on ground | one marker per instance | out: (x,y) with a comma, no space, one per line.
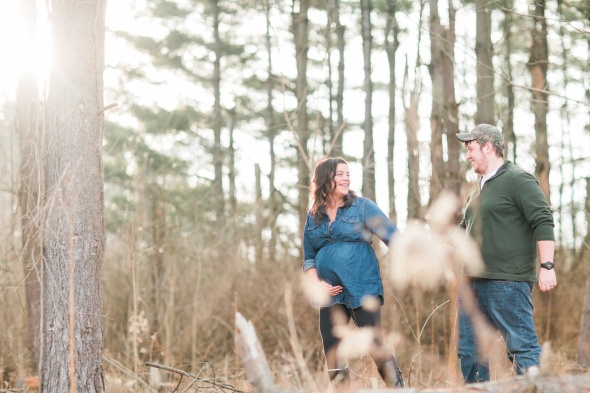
(194,378)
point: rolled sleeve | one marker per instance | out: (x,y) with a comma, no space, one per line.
(309,252)
(308,264)
(544,232)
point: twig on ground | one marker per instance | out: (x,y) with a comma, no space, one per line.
(194,378)
(128,372)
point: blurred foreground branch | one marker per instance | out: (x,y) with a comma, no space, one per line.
(253,357)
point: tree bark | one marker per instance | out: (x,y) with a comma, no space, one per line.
(411,121)
(454,179)
(258,208)
(74,228)
(231,153)
(340,44)
(391,45)
(437,176)
(300,30)
(483,52)
(30,183)
(271,134)
(368,148)
(336,134)
(584,338)
(508,116)
(538,66)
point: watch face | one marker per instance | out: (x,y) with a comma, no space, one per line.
(547,265)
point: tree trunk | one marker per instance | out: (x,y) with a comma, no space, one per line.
(412,126)
(271,133)
(300,30)
(485,70)
(231,152)
(258,207)
(411,121)
(219,198)
(584,339)
(330,140)
(75,231)
(566,146)
(368,148)
(30,183)
(437,176)
(508,116)
(454,179)
(391,45)
(340,44)
(337,129)
(538,66)
(156,212)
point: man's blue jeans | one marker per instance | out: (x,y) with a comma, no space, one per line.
(508,306)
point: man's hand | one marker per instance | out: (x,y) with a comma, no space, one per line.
(547,280)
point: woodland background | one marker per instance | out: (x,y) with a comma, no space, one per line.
(222,110)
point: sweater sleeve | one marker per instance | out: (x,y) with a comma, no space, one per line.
(531,200)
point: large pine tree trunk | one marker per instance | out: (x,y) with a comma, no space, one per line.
(391,45)
(74,232)
(368,148)
(30,183)
(538,66)
(485,68)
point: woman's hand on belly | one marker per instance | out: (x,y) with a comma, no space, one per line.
(333,290)
(319,290)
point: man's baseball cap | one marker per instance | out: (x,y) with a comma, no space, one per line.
(484,133)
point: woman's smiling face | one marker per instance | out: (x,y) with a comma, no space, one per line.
(341,182)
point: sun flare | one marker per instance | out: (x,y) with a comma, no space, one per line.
(23,46)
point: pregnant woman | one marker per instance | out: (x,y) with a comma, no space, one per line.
(338,257)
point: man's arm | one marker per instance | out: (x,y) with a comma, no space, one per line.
(547,278)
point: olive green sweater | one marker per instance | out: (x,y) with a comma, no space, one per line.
(507,219)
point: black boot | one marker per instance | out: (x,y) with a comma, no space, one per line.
(391,374)
(340,377)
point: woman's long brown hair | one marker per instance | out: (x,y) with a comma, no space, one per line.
(321,186)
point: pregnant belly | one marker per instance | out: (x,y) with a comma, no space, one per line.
(340,263)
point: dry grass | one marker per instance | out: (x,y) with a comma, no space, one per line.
(188,299)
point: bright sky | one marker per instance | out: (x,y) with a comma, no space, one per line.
(10,43)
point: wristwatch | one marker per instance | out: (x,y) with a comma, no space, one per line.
(547,265)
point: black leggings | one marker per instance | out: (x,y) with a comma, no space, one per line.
(331,316)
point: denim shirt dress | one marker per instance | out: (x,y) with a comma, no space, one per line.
(342,253)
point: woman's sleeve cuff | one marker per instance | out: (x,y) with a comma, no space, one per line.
(308,264)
